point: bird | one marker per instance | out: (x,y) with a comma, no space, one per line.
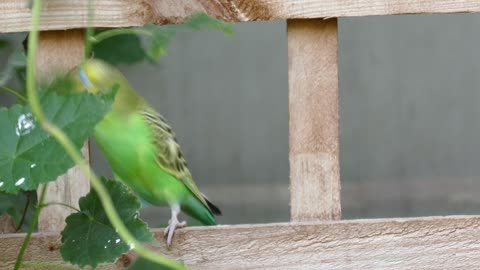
(142,149)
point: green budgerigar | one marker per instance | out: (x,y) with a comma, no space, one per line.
(142,149)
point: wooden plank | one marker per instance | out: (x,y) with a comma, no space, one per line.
(67,14)
(59,52)
(313,124)
(417,243)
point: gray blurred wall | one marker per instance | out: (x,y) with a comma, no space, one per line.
(409,89)
(410,119)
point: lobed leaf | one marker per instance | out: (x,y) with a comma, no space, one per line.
(28,155)
(89,238)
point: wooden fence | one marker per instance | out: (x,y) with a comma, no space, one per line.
(314,239)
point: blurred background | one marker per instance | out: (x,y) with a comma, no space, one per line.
(409,116)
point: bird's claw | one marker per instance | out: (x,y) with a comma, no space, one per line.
(169,231)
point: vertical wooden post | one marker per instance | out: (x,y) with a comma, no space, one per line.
(59,52)
(313,123)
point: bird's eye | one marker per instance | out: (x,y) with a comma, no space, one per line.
(84,78)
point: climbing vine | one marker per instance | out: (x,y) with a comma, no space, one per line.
(42,134)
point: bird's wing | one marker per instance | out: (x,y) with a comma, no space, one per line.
(169,156)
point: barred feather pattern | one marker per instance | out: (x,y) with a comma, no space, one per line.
(169,154)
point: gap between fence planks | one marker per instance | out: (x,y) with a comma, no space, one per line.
(313,119)
(415,243)
(58,52)
(68,14)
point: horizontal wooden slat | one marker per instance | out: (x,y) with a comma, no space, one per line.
(451,242)
(66,14)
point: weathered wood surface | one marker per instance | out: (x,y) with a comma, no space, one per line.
(68,189)
(417,243)
(313,123)
(58,53)
(67,14)
(7,224)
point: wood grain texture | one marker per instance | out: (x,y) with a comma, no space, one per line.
(7,224)
(68,188)
(58,53)
(389,244)
(68,14)
(313,123)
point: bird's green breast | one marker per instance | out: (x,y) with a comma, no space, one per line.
(126,141)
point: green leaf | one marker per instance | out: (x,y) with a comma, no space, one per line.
(89,238)
(125,48)
(160,38)
(14,205)
(17,61)
(162,35)
(202,21)
(142,264)
(122,49)
(28,155)
(4,43)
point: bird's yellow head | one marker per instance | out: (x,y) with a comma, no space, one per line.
(98,76)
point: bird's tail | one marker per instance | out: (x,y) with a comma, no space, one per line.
(196,209)
(213,208)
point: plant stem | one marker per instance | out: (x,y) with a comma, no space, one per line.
(120,31)
(32,62)
(74,154)
(61,204)
(36,109)
(88,42)
(89,31)
(48,265)
(107,201)
(24,213)
(15,93)
(30,229)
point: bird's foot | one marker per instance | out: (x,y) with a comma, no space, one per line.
(169,231)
